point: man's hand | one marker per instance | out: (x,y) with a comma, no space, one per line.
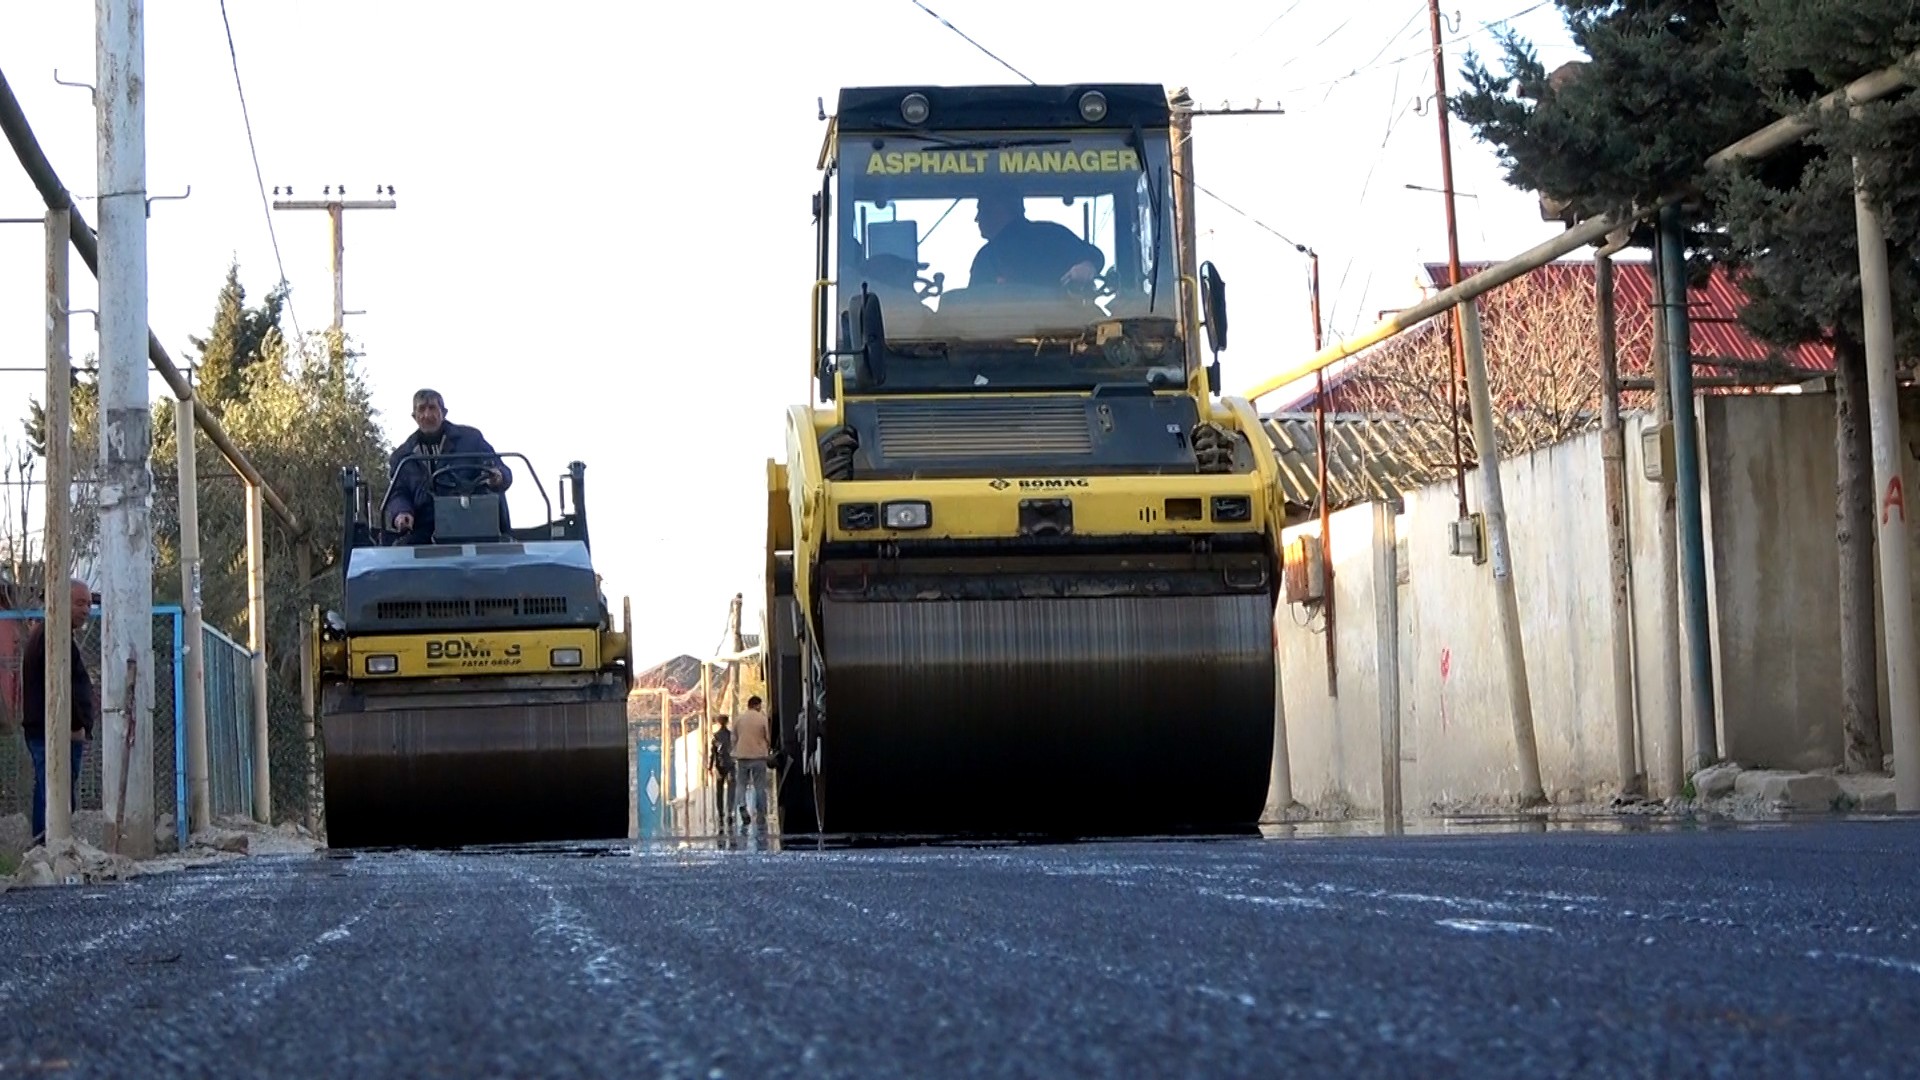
(495,478)
(403,522)
(1081,274)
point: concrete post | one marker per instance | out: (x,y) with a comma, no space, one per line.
(1896,578)
(1280,769)
(1386,611)
(309,678)
(1493,505)
(126,428)
(193,649)
(257,643)
(58,557)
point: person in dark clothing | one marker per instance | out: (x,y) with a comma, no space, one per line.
(33,707)
(409,503)
(720,763)
(1033,254)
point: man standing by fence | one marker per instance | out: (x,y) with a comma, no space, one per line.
(33,707)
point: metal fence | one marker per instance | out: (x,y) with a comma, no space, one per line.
(229,719)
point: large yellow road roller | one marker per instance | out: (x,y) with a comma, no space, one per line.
(472,687)
(1022,559)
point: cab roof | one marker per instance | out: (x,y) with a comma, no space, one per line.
(877,108)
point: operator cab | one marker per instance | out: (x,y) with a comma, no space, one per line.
(983,239)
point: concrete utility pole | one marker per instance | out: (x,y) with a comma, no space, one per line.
(1673,739)
(336,204)
(1493,503)
(737,667)
(1896,578)
(57,556)
(193,648)
(1386,608)
(126,435)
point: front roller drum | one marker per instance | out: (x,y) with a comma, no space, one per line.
(1093,716)
(474,774)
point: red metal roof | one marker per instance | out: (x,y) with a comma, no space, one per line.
(1713,313)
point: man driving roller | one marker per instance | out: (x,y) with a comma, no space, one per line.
(409,503)
(1023,252)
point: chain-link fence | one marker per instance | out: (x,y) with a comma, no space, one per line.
(229,683)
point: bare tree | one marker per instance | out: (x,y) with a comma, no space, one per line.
(1543,364)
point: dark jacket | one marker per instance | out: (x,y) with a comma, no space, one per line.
(1032,253)
(33,688)
(410,493)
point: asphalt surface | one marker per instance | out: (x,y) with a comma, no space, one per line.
(1779,951)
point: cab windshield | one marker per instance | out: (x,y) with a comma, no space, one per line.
(1028,260)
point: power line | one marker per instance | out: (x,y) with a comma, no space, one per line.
(970,41)
(254,151)
(1423,54)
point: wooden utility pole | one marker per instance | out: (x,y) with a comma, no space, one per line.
(1613,465)
(192,625)
(336,204)
(57,554)
(126,428)
(1455,339)
(257,644)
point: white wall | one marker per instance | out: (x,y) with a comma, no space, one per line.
(1768,511)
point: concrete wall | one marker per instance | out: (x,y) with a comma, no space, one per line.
(1768,502)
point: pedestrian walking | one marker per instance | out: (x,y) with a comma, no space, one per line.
(720,765)
(752,745)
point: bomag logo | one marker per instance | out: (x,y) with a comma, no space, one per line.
(466,653)
(1051,485)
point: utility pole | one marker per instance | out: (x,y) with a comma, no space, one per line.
(1896,582)
(1613,466)
(126,434)
(1470,359)
(735,646)
(1456,338)
(193,649)
(1686,455)
(336,204)
(1320,468)
(1493,503)
(257,645)
(57,610)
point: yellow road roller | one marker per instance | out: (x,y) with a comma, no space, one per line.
(1022,557)
(472,687)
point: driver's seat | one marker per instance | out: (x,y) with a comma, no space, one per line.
(470,519)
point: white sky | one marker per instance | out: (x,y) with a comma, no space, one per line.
(593,193)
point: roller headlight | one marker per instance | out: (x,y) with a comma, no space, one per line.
(565,657)
(908,515)
(914,108)
(383,664)
(1093,106)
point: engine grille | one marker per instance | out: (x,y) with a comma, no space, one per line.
(977,429)
(486,607)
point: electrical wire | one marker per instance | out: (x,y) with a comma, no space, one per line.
(970,41)
(252,149)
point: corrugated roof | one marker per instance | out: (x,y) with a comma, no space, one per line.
(1713,315)
(1367,458)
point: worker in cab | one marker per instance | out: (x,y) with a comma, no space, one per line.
(1025,253)
(414,483)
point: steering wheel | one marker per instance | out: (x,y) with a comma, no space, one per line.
(475,485)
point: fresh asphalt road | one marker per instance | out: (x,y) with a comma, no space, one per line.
(1776,951)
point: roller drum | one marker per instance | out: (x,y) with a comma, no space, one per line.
(1094,715)
(475,773)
